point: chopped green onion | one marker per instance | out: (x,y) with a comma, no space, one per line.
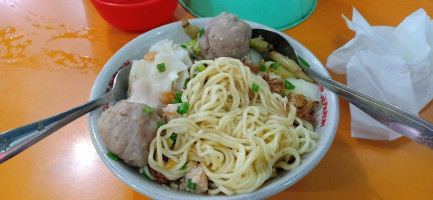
(201,32)
(196,49)
(183,167)
(183,108)
(194,55)
(170,142)
(161,67)
(173,137)
(186,82)
(191,43)
(143,173)
(288,85)
(255,87)
(178,98)
(305,63)
(201,68)
(183,46)
(113,156)
(262,68)
(275,65)
(148,110)
(283,94)
(191,185)
(160,124)
(179,95)
(145,176)
(193,76)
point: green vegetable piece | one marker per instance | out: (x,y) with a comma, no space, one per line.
(260,45)
(191,43)
(113,156)
(262,68)
(305,63)
(161,67)
(290,65)
(275,65)
(143,173)
(160,124)
(194,55)
(170,142)
(255,87)
(191,30)
(147,109)
(183,167)
(288,85)
(283,94)
(191,185)
(183,108)
(201,32)
(173,137)
(196,49)
(183,46)
(186,82)
(201,68)
(178,98)
(145,176)
(179,95)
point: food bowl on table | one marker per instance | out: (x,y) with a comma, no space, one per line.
(325,123)
(135,15)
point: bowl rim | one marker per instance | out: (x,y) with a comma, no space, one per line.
(99,146)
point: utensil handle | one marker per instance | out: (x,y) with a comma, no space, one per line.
(15,141)
(396,118)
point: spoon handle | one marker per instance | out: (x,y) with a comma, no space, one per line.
(397,119)
(15,141)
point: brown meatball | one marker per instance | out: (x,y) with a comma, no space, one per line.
(225,36)
(127,131)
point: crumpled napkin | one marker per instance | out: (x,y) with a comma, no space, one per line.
(394,64)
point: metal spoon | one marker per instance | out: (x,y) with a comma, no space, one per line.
(15,141)
(397,119)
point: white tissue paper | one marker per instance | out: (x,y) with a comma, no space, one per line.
(394,64)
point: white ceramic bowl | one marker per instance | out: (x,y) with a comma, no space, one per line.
(326,122)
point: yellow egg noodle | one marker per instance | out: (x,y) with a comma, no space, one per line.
(238,142)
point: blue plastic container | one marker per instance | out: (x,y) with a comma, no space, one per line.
(278,14)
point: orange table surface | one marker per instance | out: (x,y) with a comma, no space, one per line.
(51,52)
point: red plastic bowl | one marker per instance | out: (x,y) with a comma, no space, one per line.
(135,15)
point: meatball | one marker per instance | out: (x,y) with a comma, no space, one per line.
(127,131)
(225,36)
